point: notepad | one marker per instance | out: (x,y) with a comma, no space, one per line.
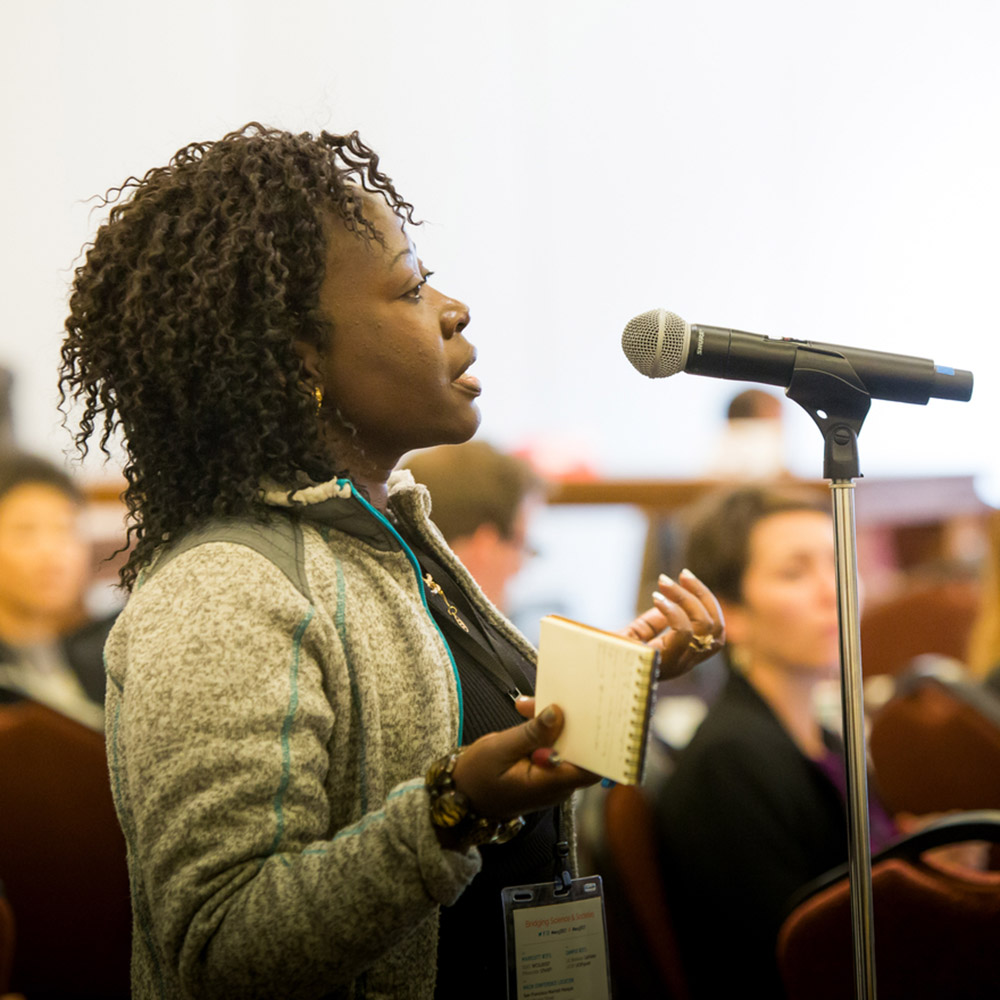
(604,683)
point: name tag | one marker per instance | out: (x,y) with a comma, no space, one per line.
(557,941)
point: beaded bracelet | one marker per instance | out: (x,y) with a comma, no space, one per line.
(457,826)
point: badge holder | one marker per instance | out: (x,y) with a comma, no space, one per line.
(557,940)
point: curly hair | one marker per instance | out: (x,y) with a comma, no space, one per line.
(183,317)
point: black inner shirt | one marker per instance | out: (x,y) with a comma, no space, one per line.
(471,951)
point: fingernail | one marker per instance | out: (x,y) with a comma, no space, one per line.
(548,717)
(658,598)
(666,581)
(608,783)
(686,572)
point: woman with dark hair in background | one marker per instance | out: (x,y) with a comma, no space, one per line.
(756,805)
(255,320)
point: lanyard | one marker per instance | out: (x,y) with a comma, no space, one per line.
(477,642)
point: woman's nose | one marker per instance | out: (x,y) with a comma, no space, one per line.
(454,317)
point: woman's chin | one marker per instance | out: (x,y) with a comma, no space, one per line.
(465,429)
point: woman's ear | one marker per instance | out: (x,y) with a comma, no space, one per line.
(311,365)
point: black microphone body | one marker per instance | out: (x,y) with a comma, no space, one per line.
(660,343)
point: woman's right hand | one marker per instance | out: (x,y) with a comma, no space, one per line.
(500,776)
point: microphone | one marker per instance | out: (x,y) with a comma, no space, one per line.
(659,343)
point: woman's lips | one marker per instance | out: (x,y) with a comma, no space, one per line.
(469,383)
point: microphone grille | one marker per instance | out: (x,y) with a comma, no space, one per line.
(656,343)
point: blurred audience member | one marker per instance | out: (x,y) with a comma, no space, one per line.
(752,443)
(755,807)
(49,650)
(983,657)
(750,448)
(482,500)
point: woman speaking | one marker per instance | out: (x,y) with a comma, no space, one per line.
(307,763)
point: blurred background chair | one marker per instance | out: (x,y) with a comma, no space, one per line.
(645,961)
(6,941)
(935,617)
(935,746)
(62,858)
(936,928)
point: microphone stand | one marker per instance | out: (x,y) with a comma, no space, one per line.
(838,402)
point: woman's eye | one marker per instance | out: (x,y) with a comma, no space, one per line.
(795,572)
(414,292)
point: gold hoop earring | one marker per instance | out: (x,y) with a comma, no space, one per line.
(318,396)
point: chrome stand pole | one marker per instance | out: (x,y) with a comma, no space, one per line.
(852,701)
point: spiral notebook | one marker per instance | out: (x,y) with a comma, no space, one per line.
(605,685)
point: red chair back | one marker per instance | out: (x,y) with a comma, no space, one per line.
(62,858)
(6,943)
(644,954)
(936,931)
(926,619)
(935,747)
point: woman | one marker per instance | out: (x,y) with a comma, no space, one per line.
(755,807)
(282,698)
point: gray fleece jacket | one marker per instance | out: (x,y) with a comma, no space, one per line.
(274,699)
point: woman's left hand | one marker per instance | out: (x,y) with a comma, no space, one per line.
(685,624)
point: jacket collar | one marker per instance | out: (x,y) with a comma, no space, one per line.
(338,504)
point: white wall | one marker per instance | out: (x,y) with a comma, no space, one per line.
(825,171)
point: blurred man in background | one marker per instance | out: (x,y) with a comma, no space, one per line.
(482,500)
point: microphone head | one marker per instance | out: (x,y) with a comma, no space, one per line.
(656,342)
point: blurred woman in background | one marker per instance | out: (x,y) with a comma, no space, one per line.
(755,807)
